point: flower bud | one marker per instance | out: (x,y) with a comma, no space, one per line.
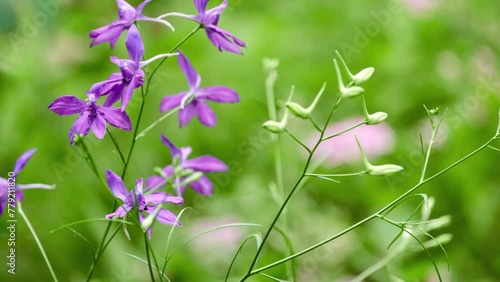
(376,118)
(273,126)
(148,221)
(160,172)
(298,110)
(363,75)
(382,170)
(352,91)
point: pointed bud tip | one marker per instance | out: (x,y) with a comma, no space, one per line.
(363,75)
(297,110)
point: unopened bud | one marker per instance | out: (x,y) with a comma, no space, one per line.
(352,91)
(273,126)
(193,177)
(376,118)
(297,110)
(363,75)
(382,170)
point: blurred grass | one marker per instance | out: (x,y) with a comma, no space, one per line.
(438,57)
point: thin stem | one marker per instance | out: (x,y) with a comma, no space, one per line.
(143,133)
(171,50)
(427,155)
(144,92)
(32,230)
(90,160)
(315,124)
(287,199)
(116,146)
(298,141)
(375,215)
(150,266)
(337,175)
(344,131)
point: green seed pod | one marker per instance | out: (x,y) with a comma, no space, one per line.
(363,75)
(297,110)
(382,170)
(351,92)
(376,118)
(273,126)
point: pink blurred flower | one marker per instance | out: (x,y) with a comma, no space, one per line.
(377,140)
(219,239)
(421,6)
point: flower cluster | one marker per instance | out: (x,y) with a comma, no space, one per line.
(146,200)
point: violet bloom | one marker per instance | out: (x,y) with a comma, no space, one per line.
(92,116)
(204,164)
(222,39)
(122,84)
(14,188)
(143,202)
(193,102)
(128,15)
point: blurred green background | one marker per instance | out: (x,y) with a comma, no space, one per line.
(434,52)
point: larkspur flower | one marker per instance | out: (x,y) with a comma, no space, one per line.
(142,201)
(201,164)
(193,102)
(122,84)
(128,16)
(92,116)
(209,20)
(5,188)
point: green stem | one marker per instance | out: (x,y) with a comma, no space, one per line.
(90,160)
(116,146)
(32,230)
(102,247)
(171,50)
(344,131)
(298,141)
(336,175)
(143,133)
(150,266)
(289,196)
(375,215)
(315,124)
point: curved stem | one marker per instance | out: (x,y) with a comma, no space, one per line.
(40,246)
(287,199)
(375,215)
(344,131)
(116,146)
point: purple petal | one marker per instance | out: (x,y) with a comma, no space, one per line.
(81,126)
(219,94)
(136,82)
(174,151)
(116,117)
(167,217)
(220,39)
(188,70)
(99,125)
(134,44)
(138,185)
(141,6)
(126,11)
(68,105)
(205,163)
(115,94)
(22,160)
(120,212)
(202,186)
(116,185)
(170,102)
(201,6)
(4,186)
(162,197)
(157,181)
(212,15)
(105,87)
(205,115)
(186,114)
(109,33)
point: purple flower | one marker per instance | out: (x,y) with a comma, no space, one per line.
(122,84)
(222,39)
(16,189)
(143,202)
(128,15)
(202,164)
(91,115)
(193,102)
